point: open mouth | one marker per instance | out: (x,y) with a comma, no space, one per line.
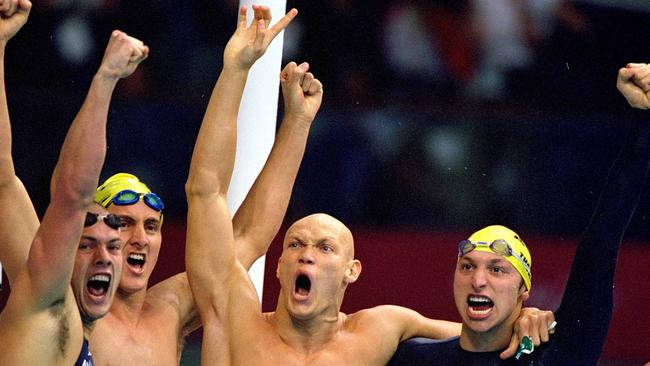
(98,284)
(303,285)
(479,305)
(136,260)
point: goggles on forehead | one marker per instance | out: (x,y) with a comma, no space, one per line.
(499,246)
(113,221)
(129,197)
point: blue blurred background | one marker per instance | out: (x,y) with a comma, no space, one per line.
(439,115)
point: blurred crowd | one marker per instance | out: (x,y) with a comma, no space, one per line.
(438,113)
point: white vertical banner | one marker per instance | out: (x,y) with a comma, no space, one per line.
(257,120)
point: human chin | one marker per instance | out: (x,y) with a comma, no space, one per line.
(131,282)
(97,295)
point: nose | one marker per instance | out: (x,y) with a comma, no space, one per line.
(101,256)
(479,280)
(306,256)
(139,236)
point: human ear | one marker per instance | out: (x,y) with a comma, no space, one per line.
(353,271)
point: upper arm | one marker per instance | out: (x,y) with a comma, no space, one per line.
(409,323)
(18,226)
(210,256)
(52,253)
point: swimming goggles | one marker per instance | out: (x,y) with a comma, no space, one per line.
(129,197)
(113,221)
(499,246)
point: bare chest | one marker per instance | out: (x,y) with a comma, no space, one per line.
(152,341)
(345,350)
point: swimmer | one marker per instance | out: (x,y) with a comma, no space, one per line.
(149,324)
(69,275)
(493,273)
(314,270)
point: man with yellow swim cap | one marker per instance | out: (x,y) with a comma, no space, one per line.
(493,276)
(148,325)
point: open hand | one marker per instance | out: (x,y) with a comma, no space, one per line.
(249,43)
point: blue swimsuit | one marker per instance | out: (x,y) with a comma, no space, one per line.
(85,357)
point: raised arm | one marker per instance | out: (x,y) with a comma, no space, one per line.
(76,174)
(259,218)
(586,308)
(210,253)
(18,220)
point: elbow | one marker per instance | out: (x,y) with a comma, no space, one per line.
(71,193)
(202,183)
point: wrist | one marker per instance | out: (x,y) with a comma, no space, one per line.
(105,80)
(299,121)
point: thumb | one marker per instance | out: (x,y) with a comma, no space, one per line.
(512,348)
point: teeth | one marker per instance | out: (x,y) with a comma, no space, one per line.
(136,256)
(100,277)
(479,312)
(479,299)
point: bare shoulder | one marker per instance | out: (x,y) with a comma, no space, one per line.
(172,290)
(378,316)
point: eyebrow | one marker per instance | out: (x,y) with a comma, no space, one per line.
(495,261)
(88,237)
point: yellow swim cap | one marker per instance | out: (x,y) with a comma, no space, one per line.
(520,257)
(117,183)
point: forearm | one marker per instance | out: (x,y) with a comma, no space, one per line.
(434,329)
(7,172)
(84,148)
(261,214)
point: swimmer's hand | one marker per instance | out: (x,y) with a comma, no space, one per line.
(634,83)
(536,324)
(122,56)
(301,91)
(249,43)
(13,15)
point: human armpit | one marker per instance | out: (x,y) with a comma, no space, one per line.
(175,291)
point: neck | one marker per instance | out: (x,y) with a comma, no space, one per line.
(494,339)
(306,335)
(128,305)
(88,326)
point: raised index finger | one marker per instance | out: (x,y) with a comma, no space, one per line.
(284,22)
